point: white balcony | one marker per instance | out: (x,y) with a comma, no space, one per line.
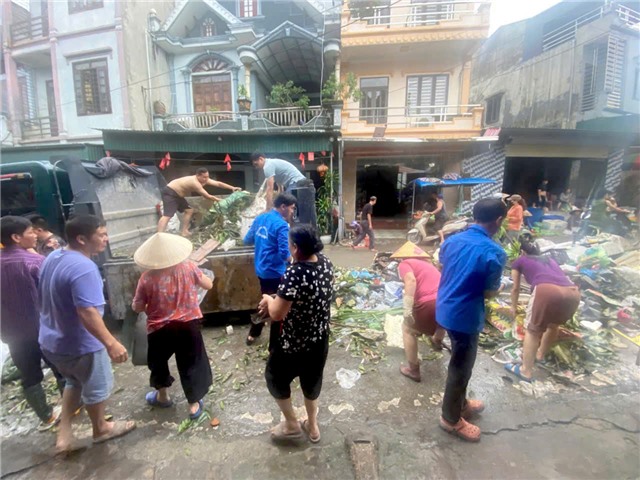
(412,121)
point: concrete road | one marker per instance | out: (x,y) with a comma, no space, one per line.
(566,433)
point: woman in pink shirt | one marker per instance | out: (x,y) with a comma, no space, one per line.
(421,280)
(168,293)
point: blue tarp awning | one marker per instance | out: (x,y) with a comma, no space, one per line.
(465,182)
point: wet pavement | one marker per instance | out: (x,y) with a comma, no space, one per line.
(554,430)
(566,433)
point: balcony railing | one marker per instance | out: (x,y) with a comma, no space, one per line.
(32,29)
(407,13)
(199,120)
(568,31)
(288,116)
(410,117)
(39,128)
(266,118)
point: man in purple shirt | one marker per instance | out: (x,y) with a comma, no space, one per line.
(19,272)
(73,335)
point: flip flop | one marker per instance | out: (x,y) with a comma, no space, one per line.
(304,425)
(120,428)
(195,416)
(277,434)
(462,429)
(514,369)
(152,399)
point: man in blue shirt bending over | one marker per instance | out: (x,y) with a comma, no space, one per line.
(269,232)
(472,265)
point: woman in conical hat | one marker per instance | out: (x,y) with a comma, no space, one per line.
(168,293)
(421,280)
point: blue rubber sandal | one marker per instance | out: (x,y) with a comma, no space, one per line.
(514,369)
(195,416)
(152,399)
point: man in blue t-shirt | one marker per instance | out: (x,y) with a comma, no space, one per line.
(73,335)
(472,265)
(269,233)
(288,177)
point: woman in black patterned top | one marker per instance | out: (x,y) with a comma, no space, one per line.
(302,304)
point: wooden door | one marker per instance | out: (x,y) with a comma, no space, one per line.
(212,93)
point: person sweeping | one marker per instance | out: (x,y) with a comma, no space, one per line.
(168,293)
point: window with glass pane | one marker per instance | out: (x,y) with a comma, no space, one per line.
(82,5)
(91,83)
(427,98)
(492,115)
(374,101)
(248,8)
(208,27)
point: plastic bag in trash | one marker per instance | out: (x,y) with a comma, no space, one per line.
(347,378)
(201,291)
(393,290)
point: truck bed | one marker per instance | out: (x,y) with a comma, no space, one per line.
(235,287)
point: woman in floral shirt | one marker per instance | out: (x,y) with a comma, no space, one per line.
(168,293)
(302,304)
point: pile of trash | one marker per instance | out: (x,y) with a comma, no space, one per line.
(228,220)
(607,270)
(365,300)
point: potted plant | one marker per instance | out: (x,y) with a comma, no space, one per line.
(244,102)
(324,206)
(288,95)
(335,92)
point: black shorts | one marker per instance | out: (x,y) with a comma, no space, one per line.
(172,202)
(282,368)
(439,222)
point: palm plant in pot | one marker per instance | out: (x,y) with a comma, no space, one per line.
(325,200)
(244,102)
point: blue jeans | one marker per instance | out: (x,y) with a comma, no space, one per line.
(464,348)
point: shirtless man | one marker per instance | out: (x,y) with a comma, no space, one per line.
(173,197)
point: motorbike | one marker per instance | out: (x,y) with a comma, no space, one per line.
(611,224)
(423,231)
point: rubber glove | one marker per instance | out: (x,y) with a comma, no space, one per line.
(408,310)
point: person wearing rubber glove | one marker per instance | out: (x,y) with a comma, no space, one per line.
(421,281)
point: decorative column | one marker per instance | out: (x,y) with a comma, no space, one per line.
(187,89)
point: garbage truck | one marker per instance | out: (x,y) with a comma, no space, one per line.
(128,200)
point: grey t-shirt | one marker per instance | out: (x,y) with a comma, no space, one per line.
(285,173)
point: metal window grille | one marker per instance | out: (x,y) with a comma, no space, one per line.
(82,5)
(614,70)
(424,94)
(91,83)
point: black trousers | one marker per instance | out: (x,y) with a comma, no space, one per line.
(305,193)
(27,357)
(464,348)
(184,339)
(365,231)
(268,286)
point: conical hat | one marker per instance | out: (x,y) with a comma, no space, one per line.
(162,250)
(410,250)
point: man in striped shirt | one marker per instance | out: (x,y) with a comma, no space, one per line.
(19,275)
